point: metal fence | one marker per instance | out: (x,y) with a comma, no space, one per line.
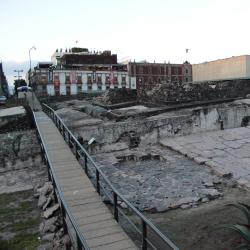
(145,228)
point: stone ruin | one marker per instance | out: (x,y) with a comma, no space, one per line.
(114,96)
(187,92)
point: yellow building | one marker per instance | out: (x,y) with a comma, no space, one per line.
(235,67)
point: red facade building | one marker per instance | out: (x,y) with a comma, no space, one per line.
(150,74)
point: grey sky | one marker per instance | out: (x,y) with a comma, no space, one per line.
(136,29)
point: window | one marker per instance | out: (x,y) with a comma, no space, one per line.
(186,79)
(145,70)
(154,70)
(44,89)
(107,79)
(67,90)
(89,79)
(186,71)
(115,80)
(79,88)
(99,79)
(79,79)
(123,81)
(67,79)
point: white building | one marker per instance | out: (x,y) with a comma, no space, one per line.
(72,73)
(71,82)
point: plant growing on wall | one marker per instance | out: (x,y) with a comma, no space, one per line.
(242,229)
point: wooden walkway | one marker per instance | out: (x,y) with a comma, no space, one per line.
(94,219)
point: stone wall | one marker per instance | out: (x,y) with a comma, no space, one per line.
(20,161)
(175,123)
(148,129)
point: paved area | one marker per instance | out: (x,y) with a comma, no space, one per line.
(158,179)
(12,111)
(94,219)
(226,152)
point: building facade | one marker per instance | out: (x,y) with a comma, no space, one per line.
(149,74)
(4,90)
(236,67)
(84,72)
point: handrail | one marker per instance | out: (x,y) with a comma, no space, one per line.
(145,222)
(81,242)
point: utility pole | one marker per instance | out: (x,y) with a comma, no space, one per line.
(18,73)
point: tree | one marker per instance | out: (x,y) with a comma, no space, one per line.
(19,83)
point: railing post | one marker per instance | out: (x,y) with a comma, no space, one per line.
(97,175)
(65,229)
(86,165)
(79,245)
(42,152)
(48,168)
(115,206)
(63,132)
(70,142)
(76,150)
(144,235)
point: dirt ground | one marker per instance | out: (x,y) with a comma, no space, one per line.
(195,228)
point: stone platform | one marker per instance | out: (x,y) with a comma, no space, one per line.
(226,152)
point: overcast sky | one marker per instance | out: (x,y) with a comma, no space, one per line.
(134,29)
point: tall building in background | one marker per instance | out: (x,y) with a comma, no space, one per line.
(149,74)
(4,89)
(235,67)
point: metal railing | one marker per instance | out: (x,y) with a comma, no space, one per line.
(105,188)
(66,213)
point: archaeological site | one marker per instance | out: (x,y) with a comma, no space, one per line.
(176,155)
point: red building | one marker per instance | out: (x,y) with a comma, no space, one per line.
(150,74)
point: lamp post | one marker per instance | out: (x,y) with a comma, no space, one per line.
(33,47)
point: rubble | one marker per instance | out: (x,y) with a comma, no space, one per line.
(113,96)
(171,93)
(51,228)
(50,211)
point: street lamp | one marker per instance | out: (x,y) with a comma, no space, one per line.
(33,47)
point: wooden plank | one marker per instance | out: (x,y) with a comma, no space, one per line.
(76,181)
(120,245)
(91,206)
(102,232)
(78,195)
(96,225)
(90,200)
(107,239)
(82,211)
(73,173)
(79,186)
(93,219)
